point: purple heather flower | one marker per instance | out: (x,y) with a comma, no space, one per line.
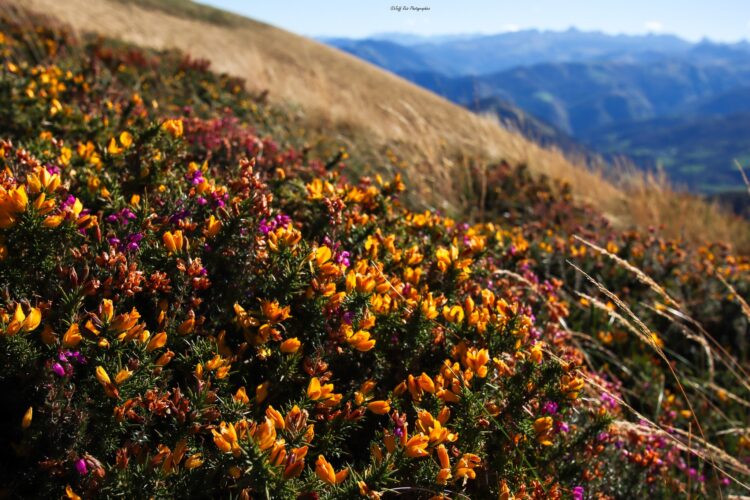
(550,408)
(69,201)
(283,220)
(81,467)
(179,215)
(343,258)
(608,400)
(80,358)
(58,369)
(195,177)
(52,169)
(578,493)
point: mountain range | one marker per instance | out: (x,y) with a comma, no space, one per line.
(658,100)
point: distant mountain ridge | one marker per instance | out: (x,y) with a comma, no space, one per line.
(481,54)
(574,87)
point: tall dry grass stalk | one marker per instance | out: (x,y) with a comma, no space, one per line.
(700,446)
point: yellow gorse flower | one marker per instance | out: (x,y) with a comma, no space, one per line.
(379,407)
(226,439)
(12,202)
(174,241)
(21,322)
(327,474)
(323,393)
(173,127)
(27,417)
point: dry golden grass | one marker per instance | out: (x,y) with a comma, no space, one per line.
(347,96)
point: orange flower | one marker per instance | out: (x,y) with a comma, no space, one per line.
(273,312)
(113,148)
(23,323)
(213,226)
(275,416)
(12,202)
(70,494)
(173,241)
(173,127)
(572,386)
(445,466)
(416,446)
(241,396)
(265,434)
(106,382)
(465,466)
(72,336)
(26,420)
(379,407)
(290,346)
(426,383)
(453,314)
(536,353)
(477,360)
(122,376)
(325,472)
(542,428)
(361,340)
(295,462)
(226,439)
(193,461)
(164,358)
(126,139)
(157,341)
(106,310)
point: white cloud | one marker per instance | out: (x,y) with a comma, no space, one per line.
(510,28)
(653,26)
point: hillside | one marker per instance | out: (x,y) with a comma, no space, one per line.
(332,90)
(372,111)
(196,305)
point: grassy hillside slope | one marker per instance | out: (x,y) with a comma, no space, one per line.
(336,92)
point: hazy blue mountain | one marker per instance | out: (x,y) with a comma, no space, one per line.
(657,99)
(698,151)
(407,39)
(388,55)
(482,54)
(581,97)
(736,100)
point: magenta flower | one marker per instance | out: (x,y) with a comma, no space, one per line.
(58,369)
(577,493)
(81,466)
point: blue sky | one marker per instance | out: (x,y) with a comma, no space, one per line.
(720,20)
